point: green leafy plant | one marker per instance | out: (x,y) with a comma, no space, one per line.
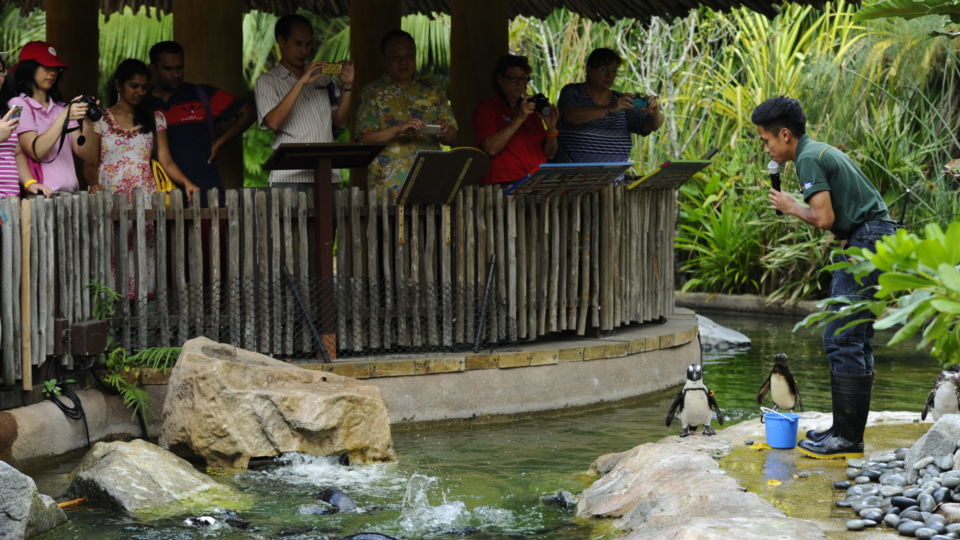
(54,387)
(104,300)
(124,369)
(919,289)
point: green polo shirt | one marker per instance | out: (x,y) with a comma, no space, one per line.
(821,167)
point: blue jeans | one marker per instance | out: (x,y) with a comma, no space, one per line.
(850,352)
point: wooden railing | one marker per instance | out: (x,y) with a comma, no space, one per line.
(416,279)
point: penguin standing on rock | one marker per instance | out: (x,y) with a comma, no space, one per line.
(695,403)
(944,397)
(781,386)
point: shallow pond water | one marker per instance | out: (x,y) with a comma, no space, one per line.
(485,481)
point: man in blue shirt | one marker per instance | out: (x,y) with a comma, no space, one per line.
(192,112)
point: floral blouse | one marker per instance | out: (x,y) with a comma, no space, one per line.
(125,155)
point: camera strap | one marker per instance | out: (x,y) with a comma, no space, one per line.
(63,136)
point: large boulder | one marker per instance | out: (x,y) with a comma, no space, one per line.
(226,405)
(673,489)
(940,440)
(24,512)
(714,337)
(147,481)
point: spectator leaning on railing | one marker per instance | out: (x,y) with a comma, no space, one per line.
(13,165)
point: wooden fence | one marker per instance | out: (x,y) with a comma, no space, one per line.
(413,279)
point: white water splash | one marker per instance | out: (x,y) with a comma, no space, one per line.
(321,471)
(421,519)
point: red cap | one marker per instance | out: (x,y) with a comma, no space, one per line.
(41,52)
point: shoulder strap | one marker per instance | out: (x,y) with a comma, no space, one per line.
(205,101)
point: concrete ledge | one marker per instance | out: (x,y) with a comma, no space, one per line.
(744,302)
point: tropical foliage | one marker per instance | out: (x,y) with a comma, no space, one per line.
(919,289)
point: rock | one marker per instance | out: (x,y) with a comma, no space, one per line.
(872,474)
(843,503)
(24,512)
(927,503)
(857,463)
(890,491)
(950,479)
(940,439)
(856,525)
(562,499)
(255,406)
(841,485)
(714,337)
(944,463)
(883,458)
(862,480)
(912,493)
(891,520)
(872,514)
(892,479)
(852,473)
(940,494)
(922,463)
(924,533)
(648,494)
(907,527)
(950,512)
(932,470)
(147,481)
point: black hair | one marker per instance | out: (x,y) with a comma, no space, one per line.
(603,57)
(506,62)
(396,33)
(780,112)
(23,82)
(127,70)
(6,91)
(285,24)
(164,47)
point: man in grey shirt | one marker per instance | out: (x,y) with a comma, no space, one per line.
(292,98)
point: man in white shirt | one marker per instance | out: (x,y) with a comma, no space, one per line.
(293,99)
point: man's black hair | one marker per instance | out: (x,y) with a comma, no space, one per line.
(396,33)
(164,47)
(23,81)
(780,112)
(603,57)
(285,24)
(506,62)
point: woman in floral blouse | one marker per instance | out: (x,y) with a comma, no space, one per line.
(125,138)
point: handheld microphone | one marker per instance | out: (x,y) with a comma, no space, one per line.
(774,169)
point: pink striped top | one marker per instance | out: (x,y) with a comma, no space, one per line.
(9,180)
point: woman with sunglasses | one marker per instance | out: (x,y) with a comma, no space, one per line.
(597,122)
(509,128)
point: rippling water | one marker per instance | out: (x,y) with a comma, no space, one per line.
(484,481)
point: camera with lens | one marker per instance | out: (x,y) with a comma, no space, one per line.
(94,112)
(640,101)
(541,104)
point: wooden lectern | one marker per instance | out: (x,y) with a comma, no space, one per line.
(323,158)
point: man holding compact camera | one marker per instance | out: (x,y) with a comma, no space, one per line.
(407,112)
(596,122)
(293,98)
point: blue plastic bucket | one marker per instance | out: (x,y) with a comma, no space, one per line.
(781,429)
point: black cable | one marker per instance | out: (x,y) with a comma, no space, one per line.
(74,411)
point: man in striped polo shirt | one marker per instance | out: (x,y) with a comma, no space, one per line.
(292,98)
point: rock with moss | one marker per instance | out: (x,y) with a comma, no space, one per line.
(148,482)
(24,512)
(226,405)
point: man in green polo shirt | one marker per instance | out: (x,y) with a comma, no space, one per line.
(842,200)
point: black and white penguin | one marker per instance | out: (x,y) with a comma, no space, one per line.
(944,397)
(695,403)
(781,386)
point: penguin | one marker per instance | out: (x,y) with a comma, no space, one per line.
(783,389)
(695,403)
(944,397)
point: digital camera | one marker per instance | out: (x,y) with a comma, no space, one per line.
(541,104)
(94,112)
(640,101)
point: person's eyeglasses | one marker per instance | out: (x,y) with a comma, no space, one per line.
(518,78)
(608,70)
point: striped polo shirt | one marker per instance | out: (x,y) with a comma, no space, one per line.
(310,121)
(9,179)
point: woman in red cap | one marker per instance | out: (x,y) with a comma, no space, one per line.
(44,117)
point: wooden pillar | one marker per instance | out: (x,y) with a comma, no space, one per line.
(211,33)
(369,21)
(478,36)
(73,28)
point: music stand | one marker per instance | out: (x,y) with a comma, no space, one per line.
(436,176)
(322,158)
(670,175)
(573,178)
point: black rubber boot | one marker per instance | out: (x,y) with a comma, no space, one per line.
(817,436)
(851,405)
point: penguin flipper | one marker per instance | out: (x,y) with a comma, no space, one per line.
(676,407)
(792,385)
(764,388)
(716,408)
(930,397)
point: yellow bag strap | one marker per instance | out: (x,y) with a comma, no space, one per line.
(162,178)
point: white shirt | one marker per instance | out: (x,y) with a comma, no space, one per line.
(310,120)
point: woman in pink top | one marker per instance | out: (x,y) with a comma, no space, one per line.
(13,166)
(44,116)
